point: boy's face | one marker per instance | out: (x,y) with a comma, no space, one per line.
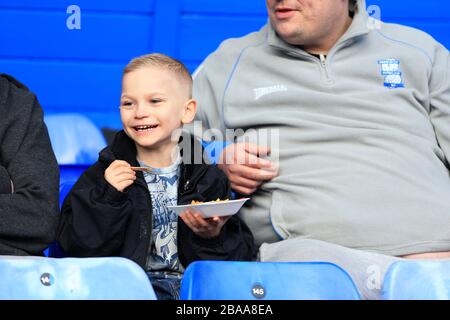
(153,104)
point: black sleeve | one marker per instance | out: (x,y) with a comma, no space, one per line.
(29,213)
(94,216)
(235,242)
(5,181)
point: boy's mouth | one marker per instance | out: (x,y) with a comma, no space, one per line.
(145,127)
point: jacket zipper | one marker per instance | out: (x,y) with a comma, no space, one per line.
(183,187)
(322,59)
(150,222)
(186,184)
(323,63)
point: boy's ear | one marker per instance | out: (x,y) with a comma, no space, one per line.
(190,108)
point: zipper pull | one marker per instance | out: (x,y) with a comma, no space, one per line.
(323,60)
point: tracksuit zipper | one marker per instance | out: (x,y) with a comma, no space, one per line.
(322,59)
(323,63)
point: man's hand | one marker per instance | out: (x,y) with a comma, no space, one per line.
(205,228)
(120,175)
(245,168)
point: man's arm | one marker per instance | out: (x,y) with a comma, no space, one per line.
(440,99)
(28,210)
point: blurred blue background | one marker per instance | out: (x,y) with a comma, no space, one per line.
(80,70)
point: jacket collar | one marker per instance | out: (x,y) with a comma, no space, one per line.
(359,27)
(124,148)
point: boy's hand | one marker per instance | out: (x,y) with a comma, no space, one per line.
(120,175)
(205,228)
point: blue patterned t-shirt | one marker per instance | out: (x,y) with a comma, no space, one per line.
(163,187)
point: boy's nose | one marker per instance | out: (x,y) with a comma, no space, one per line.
(142,111)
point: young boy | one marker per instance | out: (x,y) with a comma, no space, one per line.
(116,210)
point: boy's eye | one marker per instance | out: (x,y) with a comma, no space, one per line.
(156,100)
(127,104)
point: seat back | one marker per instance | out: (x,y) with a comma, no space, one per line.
(71,172)
(417,280)
(54,250)
(38,278)
(64,189)
(75,138)
(226,280)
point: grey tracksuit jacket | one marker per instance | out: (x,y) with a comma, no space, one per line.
(362,136)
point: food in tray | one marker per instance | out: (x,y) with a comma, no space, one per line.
(201,202)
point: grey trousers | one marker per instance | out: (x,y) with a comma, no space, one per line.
(367,269)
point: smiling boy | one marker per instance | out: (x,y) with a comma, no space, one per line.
(114,210)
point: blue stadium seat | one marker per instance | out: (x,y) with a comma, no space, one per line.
(76,140)
(417,280)
(230,280)
(64,189)
(69,173)
(37,278)
(54,250)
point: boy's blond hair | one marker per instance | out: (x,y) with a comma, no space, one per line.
(162,61)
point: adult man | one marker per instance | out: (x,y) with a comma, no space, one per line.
(29,174)
(362,111)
